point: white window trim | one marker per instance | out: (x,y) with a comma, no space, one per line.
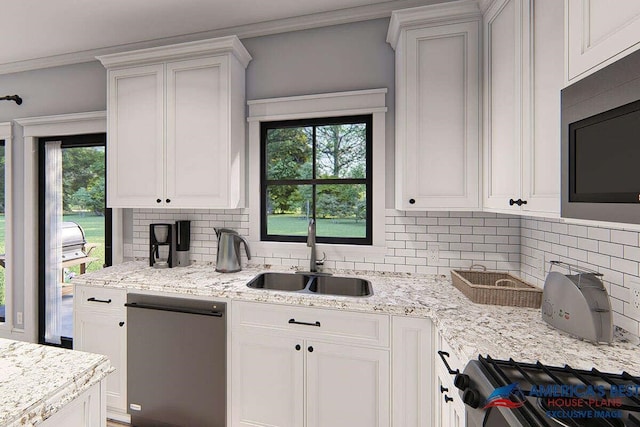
(34,128)
(317,106)
(6,135)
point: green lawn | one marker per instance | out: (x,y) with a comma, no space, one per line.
(297,225)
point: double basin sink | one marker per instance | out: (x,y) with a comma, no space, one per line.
(310,283)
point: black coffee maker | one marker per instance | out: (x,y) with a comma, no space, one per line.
(161,248)
(183,242)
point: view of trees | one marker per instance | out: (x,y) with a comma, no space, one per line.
(83,183)
(340,152)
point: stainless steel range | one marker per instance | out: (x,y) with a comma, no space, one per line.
(501,393)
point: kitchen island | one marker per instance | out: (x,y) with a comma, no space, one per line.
(49,386)
(470,329)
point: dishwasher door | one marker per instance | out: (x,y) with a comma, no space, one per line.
(176,361)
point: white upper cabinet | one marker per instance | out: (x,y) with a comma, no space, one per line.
(522,82)
(598,33)
(176,125)
(437,106)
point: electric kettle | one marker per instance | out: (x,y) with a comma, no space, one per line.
(228,260)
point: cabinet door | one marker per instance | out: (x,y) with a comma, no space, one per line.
(347,386)
(86,410)
(267,376)
(104,332)
(437,148)
(541,150)
(135,146)
(198,152)
(598,34)
(412,372)
(503,80)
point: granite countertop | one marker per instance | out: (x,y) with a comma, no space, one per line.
(36,381)
(470,329)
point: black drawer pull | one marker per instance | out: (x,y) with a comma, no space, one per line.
(295,322)
(104,301)
(298,347)
(447,399)
(518,202)
(443,389)
(121,324)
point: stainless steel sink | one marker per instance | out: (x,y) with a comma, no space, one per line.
(322,284)
(347,286)
(279,282)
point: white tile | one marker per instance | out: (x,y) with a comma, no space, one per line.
(599,260)
(577,230)
(598,233)
(449,221)
(624,266)
(625,237)
(587,244)
(612,249)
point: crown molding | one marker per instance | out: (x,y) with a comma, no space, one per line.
(316,20)
(64,124)
(220,45)
(429,15)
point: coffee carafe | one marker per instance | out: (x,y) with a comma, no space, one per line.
(161,245)
(183,241)
(228,260)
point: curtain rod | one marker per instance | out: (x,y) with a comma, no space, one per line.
(11,98)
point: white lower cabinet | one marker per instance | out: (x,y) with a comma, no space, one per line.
(100,327)
(86,410)
(288,371)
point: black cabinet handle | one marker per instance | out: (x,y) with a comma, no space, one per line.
(412,201)
(310,349)
(446,364)
(447,399)
(518,202)
(298,347)
(158,201)
(121,324)
(295,322)
(443,389)
(168,200)
(93,299)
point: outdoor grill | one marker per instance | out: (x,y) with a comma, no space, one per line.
(73,241)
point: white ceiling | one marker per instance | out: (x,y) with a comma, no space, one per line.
(33,29)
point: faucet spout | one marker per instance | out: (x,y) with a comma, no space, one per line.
(311,242)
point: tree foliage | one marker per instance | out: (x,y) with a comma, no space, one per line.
(83,183)
(340,153)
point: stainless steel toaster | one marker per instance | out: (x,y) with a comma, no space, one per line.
(577,303)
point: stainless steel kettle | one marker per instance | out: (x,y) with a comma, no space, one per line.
(228,260)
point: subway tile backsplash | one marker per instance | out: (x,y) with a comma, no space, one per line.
(612,252)
(520,245)
(460,239)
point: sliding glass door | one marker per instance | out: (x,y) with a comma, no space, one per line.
(74,226)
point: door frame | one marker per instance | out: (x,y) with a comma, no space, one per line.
(70,141)
(34,128)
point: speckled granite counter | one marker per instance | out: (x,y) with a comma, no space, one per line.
(469,328)
(37,381)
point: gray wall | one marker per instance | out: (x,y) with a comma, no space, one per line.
(331,59)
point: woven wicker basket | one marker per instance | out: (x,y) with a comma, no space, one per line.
(498,288)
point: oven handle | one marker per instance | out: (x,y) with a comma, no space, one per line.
(446,364)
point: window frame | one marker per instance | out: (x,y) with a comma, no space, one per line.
(367,119)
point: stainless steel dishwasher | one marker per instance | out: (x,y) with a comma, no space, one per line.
(176,361)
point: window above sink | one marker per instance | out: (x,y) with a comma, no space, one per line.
(310,108)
